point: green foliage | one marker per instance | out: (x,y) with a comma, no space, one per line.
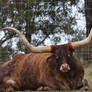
(38,20)
(5,52)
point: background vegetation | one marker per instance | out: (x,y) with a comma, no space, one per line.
(43,22)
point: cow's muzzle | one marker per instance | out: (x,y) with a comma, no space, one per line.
(64,68)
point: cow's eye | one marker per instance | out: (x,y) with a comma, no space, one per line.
(57,57)
(69,55)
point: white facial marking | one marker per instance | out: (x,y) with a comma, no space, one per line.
(64,68)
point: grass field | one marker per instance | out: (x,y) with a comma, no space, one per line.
(88,74)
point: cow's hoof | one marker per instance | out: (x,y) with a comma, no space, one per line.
(2,90)
(86,88)
(10,90)
(85,84)
(40,88)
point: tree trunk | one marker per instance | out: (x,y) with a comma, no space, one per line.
(28,32)
(88,12)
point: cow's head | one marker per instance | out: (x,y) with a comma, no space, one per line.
(61,54)
(61,58)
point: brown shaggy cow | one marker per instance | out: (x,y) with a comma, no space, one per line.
(53,68)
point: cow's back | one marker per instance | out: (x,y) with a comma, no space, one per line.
(29,69)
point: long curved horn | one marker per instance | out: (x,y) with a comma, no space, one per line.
(26,43)
(84,42)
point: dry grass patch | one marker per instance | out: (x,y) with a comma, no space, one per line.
(88,74)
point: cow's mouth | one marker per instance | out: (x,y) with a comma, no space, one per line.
(64,68)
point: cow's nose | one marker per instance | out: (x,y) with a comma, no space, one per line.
(64,68)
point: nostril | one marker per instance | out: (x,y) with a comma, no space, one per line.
(68,67)
(64,68)
(65,65)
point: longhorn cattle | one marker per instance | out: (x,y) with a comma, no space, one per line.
(45,68)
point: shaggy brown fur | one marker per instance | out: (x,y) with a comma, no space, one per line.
(40,71)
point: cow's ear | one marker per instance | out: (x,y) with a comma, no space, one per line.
(51,58)
(71,48)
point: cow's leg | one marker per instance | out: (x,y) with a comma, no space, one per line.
(9,85)
(45,88)
(85,84)
(41,88)
(2,90)
(51,87)
(6,90)
(10,89)
(54,85)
